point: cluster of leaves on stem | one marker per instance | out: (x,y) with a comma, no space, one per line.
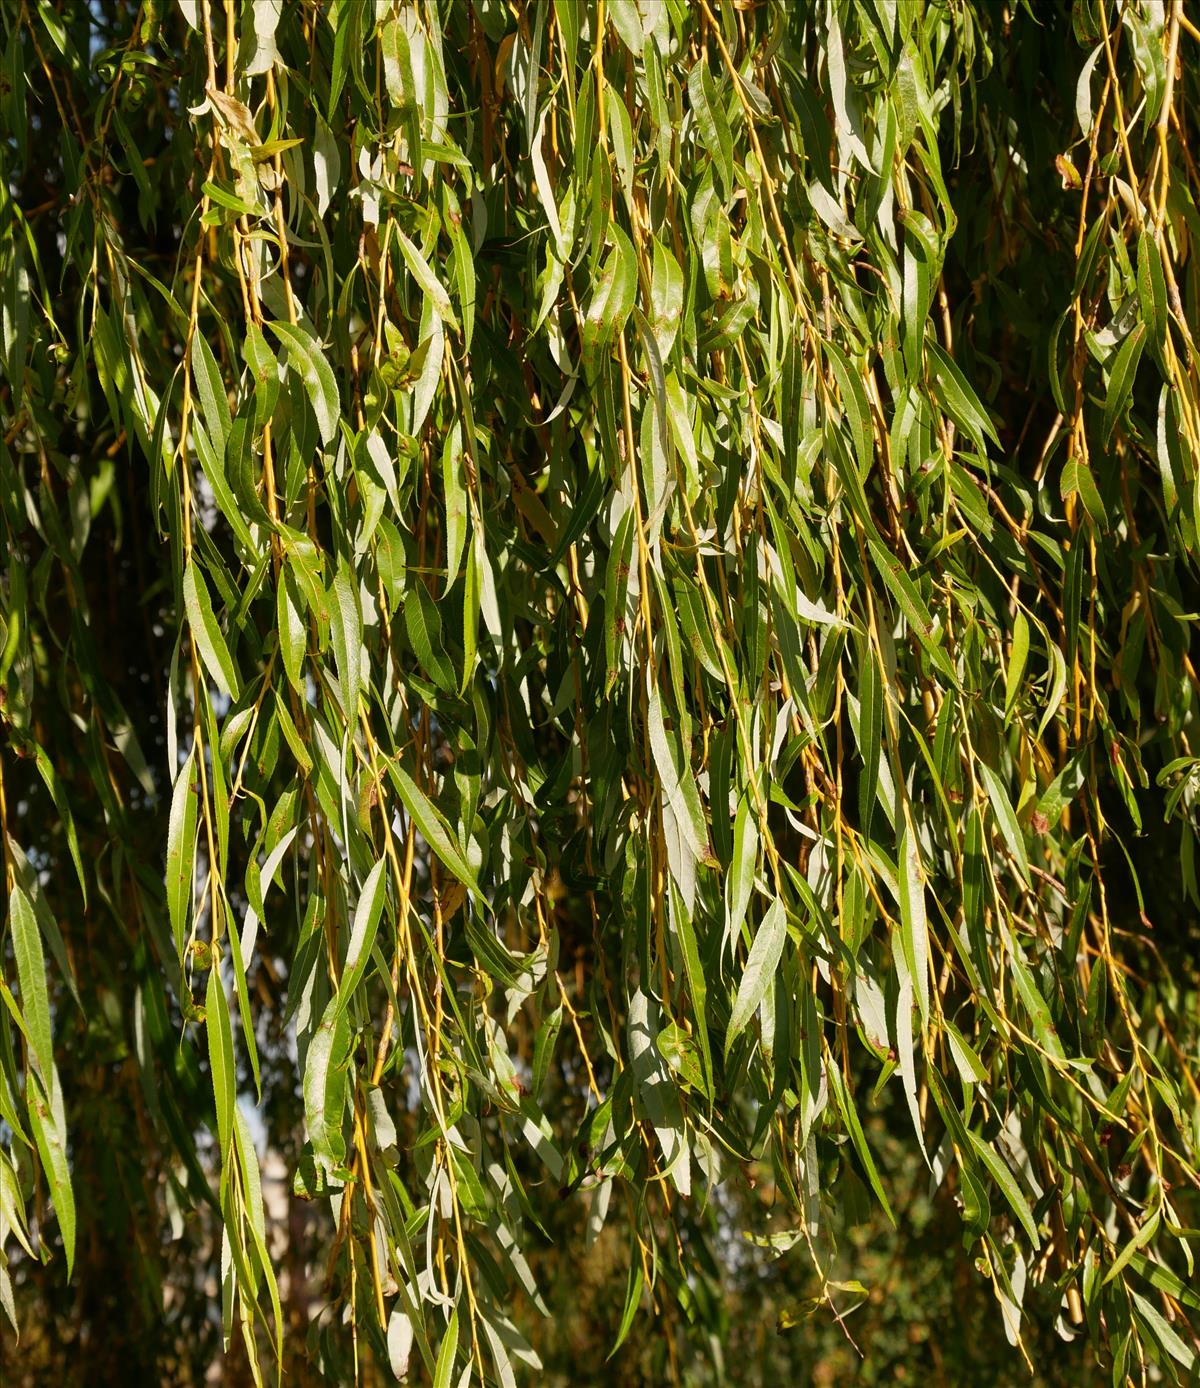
(635,562)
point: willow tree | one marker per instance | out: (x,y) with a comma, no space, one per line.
(597,606)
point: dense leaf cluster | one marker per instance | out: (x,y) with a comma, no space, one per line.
(595,640)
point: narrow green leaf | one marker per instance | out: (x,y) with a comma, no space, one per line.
(678,783)
(681,922)
(1165,1280)
(543,1051)
(241,987)
(1006,820)
(759,973)
(362,932)
(325,1086)
(1152,287)
(910,602)
(346,631)
(633,1297)
(870,737)
(854,402)
(958,398)
(1120,380)
(431,286)
(613,299)
(434,829)
(1016,664)
(293,633)
(913,919)
(31,978)
(264,369)
(207,633)
(49,1131)
(181,852)
(1007,1183)
(1035,1004)
(844,1099)
(214,403)
(1135,1245)
(455,496)
(1163,1332)
(712,122)
(309,362)
(444,1370)
(739,884)
(220,1061)
(425,632)
(970,1067)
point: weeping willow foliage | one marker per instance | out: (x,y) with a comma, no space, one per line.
(597,608)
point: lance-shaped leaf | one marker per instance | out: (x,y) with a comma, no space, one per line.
(48,1121)
(913,919)
(220,1062)
(181,851)
(1120,380)
(678,783)
(346,631)
(362,932)
(31,980)
(206,632)
(431,287)
(325,1087)
(759,973)
(432,824)
(309,362)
